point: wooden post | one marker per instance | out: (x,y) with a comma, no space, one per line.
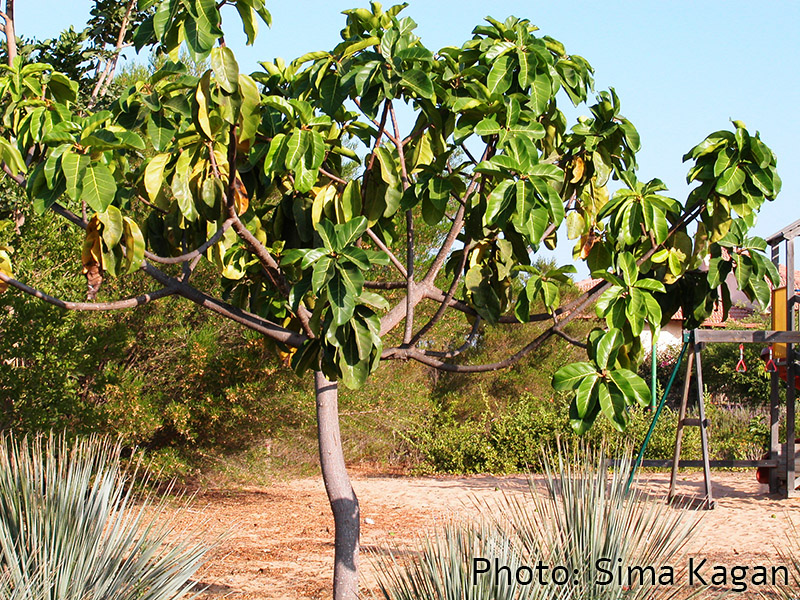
(703,433)
(687,382)
(791,485)
(774,403)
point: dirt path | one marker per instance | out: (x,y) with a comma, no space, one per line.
(281,537)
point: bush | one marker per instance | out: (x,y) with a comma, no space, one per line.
(510,440)
(71,528)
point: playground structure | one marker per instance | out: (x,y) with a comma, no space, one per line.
(780,464)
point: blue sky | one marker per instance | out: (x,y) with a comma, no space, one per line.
(682,69)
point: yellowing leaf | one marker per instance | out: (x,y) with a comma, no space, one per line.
(577,170)
(202,95)
(92,258)
(5,267)
(241,201)
(323,198)
(154,175)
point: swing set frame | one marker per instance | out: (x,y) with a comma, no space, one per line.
(782,340)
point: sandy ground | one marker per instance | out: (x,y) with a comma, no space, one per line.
(280,542)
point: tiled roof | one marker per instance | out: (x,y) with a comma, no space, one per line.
(782,273)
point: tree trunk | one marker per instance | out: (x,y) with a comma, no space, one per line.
(344,503)
(11,36)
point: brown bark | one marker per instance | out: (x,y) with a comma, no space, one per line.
(344,504)
(11,36)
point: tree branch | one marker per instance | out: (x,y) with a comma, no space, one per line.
(101,87)
(447,298)
(379,243)
(8,28)
(174,260)
(243,317)
(88,306)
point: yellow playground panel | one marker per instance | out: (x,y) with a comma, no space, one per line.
(779,319)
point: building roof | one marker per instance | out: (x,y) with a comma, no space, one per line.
(782,273)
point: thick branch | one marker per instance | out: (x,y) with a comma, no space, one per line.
(425,358)
(446,300)
(8,28)
(243,317)
(88,306)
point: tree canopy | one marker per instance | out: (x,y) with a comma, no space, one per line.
(254,174)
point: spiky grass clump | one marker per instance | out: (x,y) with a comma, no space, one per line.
(591,521)
(71,527)
(579,518)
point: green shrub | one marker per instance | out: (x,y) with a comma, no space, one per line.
(510,440)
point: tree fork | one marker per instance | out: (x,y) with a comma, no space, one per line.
(342,498)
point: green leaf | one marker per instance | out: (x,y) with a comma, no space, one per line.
(540,94)
(98,187)
(160,131)
(374,300)
(607,348)
(627,264)
(570,376)
(633,387)
(183,194)
(730,181)
(499,202)
(73,166)
(583,394)
(501,75)
(322,272)
(327,234)
(650,284)
(249,24)
(225,68)
(576,225)
(606,299)
(154,175)
(349,205)
(202,95)
(311,256)
(419,82)
(199,38)
(112,226)
(349,232)
(296,147)
(342,299)
(12,157)
(488,126)
(389,169)
(612,404)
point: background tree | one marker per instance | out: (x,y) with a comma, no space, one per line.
(249,172)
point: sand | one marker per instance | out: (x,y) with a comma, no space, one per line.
(280,538)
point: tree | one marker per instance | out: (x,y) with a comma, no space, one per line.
(248,173)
